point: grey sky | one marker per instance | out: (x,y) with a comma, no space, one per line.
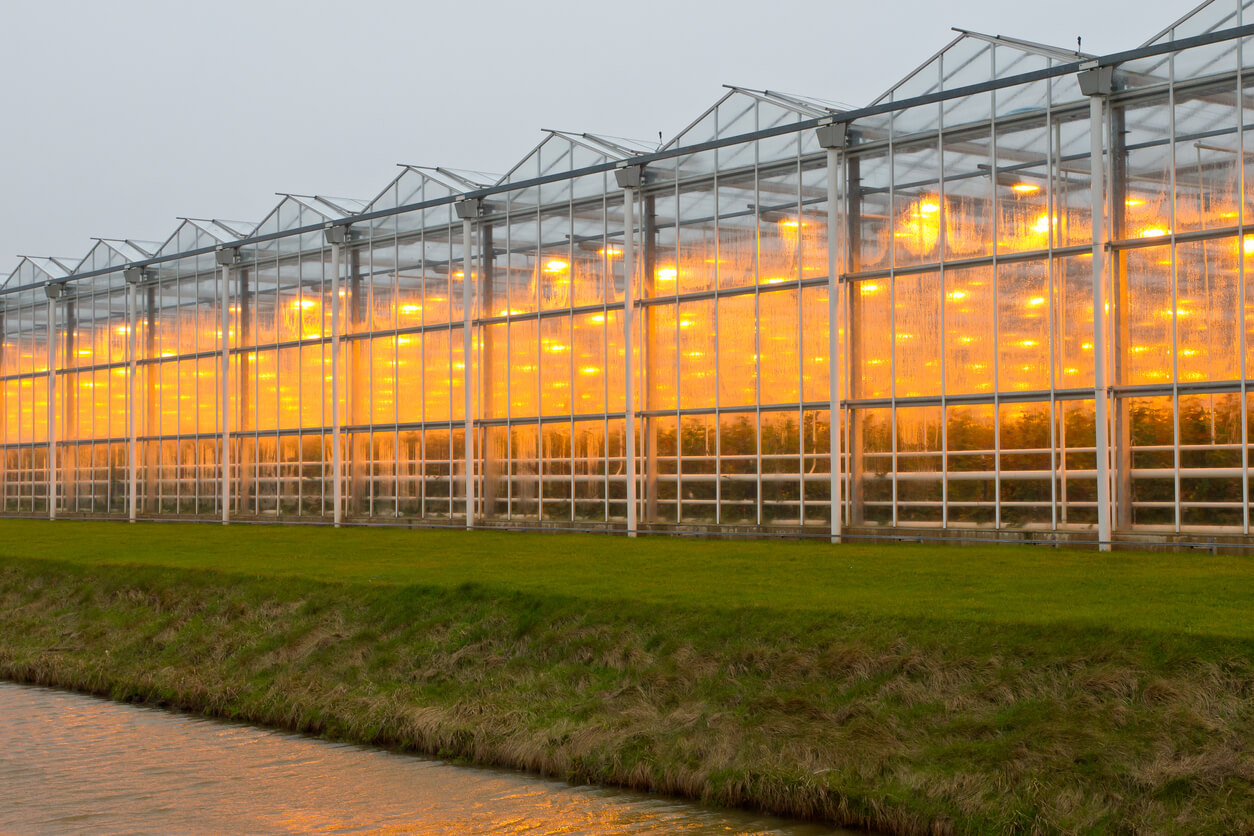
(123,115)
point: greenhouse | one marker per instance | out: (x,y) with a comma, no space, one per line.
(1028,263)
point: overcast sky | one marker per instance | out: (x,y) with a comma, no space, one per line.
(122,116)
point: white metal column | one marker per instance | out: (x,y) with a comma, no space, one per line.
(629,178)
(134,275)
(336,237)
(53,291)
(1098,82)
(834,138)
(226,257)
(468,210)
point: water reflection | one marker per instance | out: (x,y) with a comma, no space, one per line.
(70,763)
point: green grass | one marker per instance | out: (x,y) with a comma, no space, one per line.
(910,689)
(1176,592)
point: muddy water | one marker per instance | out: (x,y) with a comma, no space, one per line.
(75,764)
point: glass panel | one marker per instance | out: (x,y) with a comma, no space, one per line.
(781,463)
(697,354)
(1208,286)
(1023,325)
(968,330)
(969,436)
(738,466)
(1210,460)
(1145,352)
(920,460)
(1152,462)
(779,337)
(737,364)
(917,315)
(871,342)
(1025,463)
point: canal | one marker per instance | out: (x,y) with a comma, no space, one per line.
(76,764)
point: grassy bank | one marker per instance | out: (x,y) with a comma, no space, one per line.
(909,689)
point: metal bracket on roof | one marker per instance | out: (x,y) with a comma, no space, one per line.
(227,256)
(133,275)
(53,290)
(631,176)
(338,233)
(1096,80)
(470,208)
(833,135)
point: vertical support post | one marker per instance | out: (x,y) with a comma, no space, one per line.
(834,138)
(629,178)
(337,452)
(227,256)
(629,372)
(53,291)
(133,275)
(468,210)
(336,237)
(1098,82)
(647,269)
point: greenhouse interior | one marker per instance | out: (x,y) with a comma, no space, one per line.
(1028,263)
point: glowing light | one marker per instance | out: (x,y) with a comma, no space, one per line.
(1139,349)
(303,304)
(598,318)
(589,370)
(1154,232)
(1134,202)
(919,227)
(685,323)
(957,295)
(1036,301)
(791,223)
(869,288)
(84,352)
(776,280)
(459,274)
(557,347)
(667,274)
(1025,188)
(556,266)
(1189,352)
(1247,245)
(1028,343)
(411,309)
(610,251)
(122,329)
(1043,225)
(1070,370)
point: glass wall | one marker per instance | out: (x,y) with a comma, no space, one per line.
(959,220)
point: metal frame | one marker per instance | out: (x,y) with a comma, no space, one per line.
(765,164)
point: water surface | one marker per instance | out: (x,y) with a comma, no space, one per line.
(76,764)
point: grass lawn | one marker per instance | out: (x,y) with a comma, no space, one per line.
(904,688)
(1175,592)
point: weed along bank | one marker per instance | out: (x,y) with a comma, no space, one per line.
(1011,294)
